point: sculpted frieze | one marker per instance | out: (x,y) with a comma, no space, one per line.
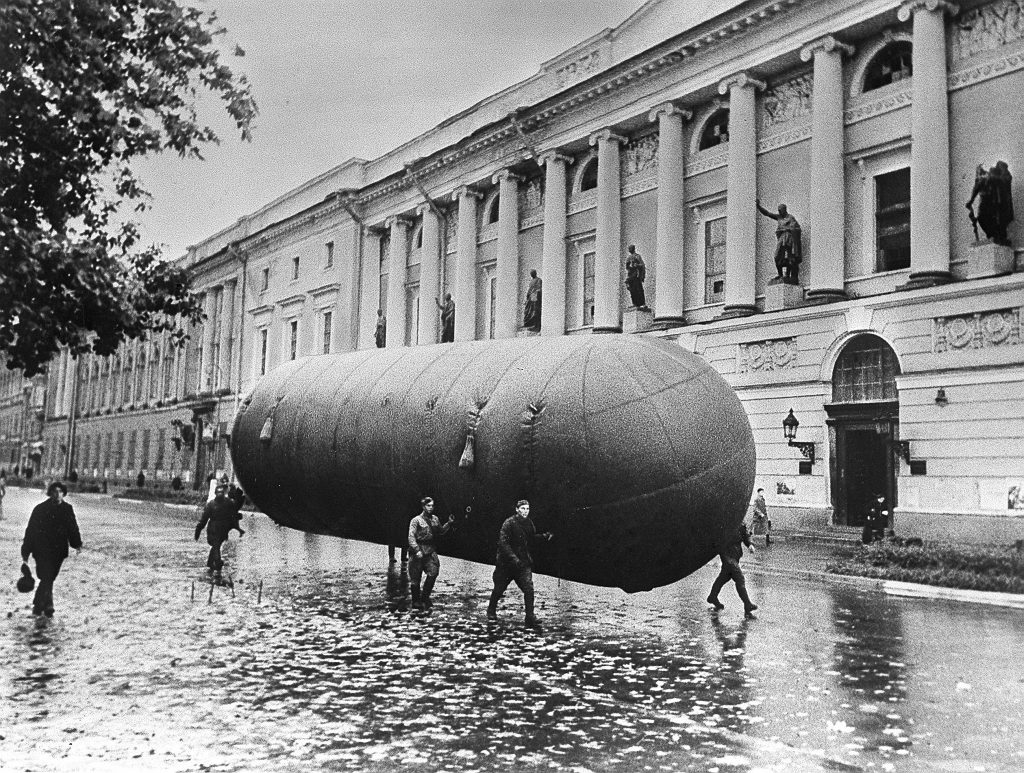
(987,28)
(772,354)
(788,101)
(531,195)
(976,331)
(640,156)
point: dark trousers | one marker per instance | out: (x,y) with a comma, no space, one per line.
(47,569)
(214,561)
(730,571)
(503,575)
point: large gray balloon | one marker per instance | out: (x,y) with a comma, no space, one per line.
(632,451)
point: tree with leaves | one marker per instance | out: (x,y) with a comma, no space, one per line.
(86,87)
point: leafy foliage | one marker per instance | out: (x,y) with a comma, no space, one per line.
(86,86)
(992,568)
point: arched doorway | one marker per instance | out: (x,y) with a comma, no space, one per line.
(863,420)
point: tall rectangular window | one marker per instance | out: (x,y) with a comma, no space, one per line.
(293,339)
(714,260)
(146,438)
(328,317)
(329,256)
(588,288)
(119,451)
(263,351)
(892,220)
(295,267)
(86,450)
(265,280)
(132,444)
(161,441)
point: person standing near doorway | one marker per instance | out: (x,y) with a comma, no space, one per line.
(730,552)
(51,529)
(877,520)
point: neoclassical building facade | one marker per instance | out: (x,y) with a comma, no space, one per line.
(895,360)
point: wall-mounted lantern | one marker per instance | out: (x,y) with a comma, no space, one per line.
(940,398)
(789,425)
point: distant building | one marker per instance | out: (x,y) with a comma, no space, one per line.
(899,353)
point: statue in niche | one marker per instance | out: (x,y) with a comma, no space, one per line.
(531,312)
(636,273)
(380,334)
(788,252)
(994,189)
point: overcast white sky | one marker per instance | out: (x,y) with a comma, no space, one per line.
(341,78)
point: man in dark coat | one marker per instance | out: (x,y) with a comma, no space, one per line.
(220,516)
(876,521)
(51,529)
(730,552)
(514,562)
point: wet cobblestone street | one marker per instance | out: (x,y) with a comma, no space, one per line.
(313,661)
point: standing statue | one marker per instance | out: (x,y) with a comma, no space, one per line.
(788,252)
(531,312)
(995,208)
(447,318)
(380,335)
(636,273)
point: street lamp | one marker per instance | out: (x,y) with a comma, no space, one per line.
(789,425)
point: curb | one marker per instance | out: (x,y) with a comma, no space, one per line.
(898,588)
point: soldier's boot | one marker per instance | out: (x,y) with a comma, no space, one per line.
(414,589)
(492,606)
(428,586)
(713,596)
(531,619)
(748,605)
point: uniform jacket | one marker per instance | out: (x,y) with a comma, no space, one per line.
(423,529)
(51,529)
(514,542)
(733,546)
(222,516)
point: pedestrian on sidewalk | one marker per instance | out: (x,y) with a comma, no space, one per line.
(51,529)
(730,552)
(514,562)
(423,530)
(876,521)
(219,517)
(762,523)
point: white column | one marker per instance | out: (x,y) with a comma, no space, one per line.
(205,374)
(741,224)
(553,268)
(464,293)
(506,305)
(669,258)
(929,150)
(430,276)
(827,218)
(607,261)
(227,325)
(396,281)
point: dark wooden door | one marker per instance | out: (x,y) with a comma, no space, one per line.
(866,471)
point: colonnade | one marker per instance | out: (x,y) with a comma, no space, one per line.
(825,220)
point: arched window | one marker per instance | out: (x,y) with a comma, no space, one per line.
(893,63)
(491,215)
(588,179)
(715,131)
(866,370)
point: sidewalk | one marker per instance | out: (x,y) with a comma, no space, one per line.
(806,559)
